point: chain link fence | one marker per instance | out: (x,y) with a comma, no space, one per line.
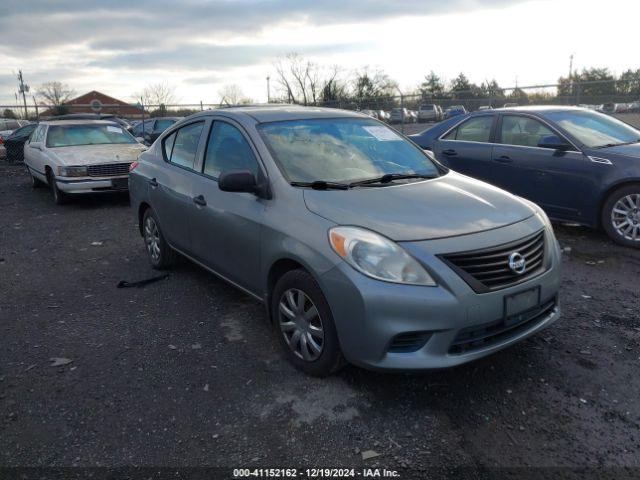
(615,97)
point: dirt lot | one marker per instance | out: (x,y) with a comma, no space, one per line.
(186,371)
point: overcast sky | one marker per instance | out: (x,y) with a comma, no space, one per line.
(197,46)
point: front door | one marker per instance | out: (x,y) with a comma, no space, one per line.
(226,226)
(559,181)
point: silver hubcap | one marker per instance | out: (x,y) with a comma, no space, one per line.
(301,325)
(625,217)
(152,238)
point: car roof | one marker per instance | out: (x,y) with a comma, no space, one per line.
(79,121)
(538,108)
(279,113)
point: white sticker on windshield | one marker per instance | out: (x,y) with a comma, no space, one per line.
(114,129)
(383,134)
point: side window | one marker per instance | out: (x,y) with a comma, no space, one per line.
(473,130)
(227,149)
(168,145)
(185,145)
(523,131)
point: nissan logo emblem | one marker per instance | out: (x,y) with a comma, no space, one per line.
(517,263)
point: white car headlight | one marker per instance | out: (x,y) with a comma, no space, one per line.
(72,171)
(377,256)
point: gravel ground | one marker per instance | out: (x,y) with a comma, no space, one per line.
(187,372)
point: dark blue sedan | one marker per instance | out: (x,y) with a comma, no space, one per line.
(579,165)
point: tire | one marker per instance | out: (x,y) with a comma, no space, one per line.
(317,350)
(621,216)
(59,197)
(36,182)
(161,255)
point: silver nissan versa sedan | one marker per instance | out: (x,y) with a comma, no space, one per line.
(363,248)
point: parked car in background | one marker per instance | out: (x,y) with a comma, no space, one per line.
(369,113)
(80,156)
(150,129)
(7,127)
(94,116)
(383,116)
(14,143)
(454,111)
(414,116)
(634,107)
(609,107)
(306,209)
(510,105)
(579,165)
(399,115)
(484,107)
(429,113)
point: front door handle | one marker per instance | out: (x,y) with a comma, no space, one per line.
(199,200)
(504,159)
(153,183)
(449,153)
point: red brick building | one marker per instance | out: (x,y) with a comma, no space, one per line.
(97,102)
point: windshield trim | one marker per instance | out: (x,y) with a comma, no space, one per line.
(442,170)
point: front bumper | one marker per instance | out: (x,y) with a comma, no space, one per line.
(370,314)
(93,184)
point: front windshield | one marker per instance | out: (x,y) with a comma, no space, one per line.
(76,135)
(594,129)
(342,150)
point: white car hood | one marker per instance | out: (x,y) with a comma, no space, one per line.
(96,154)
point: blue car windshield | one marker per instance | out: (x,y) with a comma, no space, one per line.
(593,129)
(342,150)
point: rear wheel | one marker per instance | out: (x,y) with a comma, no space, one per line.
(161,255)
(304,323)
(621,216)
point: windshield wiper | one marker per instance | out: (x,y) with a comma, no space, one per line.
(618,144)
(322,185)
(389,177)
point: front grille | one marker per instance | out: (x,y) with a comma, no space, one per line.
(108,170)
(409,342)
(483,336)
(488,270)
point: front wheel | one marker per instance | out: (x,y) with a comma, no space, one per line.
(621,216)
(304,324)
(59,197)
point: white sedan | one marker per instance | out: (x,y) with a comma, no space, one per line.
(81,156)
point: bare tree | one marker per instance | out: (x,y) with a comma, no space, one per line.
(157,94)
(299,79)
(232,94)
(55,94)
(372,85)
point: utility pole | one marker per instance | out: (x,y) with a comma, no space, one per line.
(24,89)
(35,104)
(268,90)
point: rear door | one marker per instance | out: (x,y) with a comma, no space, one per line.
(34,157)
(559,181)
(467,147)
(226,226)
(172,182)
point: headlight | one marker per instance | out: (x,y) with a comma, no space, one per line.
(377,256)
(72,171)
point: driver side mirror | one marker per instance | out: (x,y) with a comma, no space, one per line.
(242,181)
(554,142)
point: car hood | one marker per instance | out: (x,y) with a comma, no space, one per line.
(632,150)
(447,206)
(95,154)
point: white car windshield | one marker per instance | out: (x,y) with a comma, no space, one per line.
(76,135)
(342,150)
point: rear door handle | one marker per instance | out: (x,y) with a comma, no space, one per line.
(449,153)
(153,183)
(504,159)
(199,200)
